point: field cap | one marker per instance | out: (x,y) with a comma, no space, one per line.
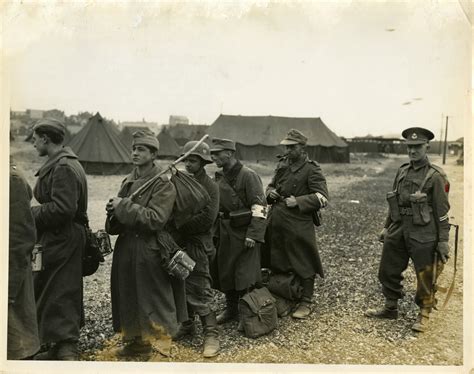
(202,150)
(222,144)
(145,137)
(417,135)
(51,124)
(294,137)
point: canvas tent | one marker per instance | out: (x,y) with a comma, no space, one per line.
(126,135)
(185,133)
(168,147)
(100,149)
(258,137)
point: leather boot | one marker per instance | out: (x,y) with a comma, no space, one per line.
(303,310)
(231,311)
(187,328)
(421,324)
(211,335)
(67,350)
(135,347)
(47,355)
(389,311)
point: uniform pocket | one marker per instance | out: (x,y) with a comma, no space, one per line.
(424,234)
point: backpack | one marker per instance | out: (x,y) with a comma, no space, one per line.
(258,312)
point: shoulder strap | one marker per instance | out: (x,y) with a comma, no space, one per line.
(428,175)
(242,200)
(402,174)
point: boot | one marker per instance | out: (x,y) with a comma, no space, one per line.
(421,324)
(67,350)
(389,311)
(187,328)
(47,355)
(231,311)
(135,347)
(211,335)
(303,310)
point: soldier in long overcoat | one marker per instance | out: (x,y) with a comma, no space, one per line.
(23,340)
(297,191)
(238,254)
(61,190)
(196,237)
(147,302)
(416,228)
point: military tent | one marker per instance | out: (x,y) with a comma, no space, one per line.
(100,149)
(169,149)
(126,135)
(258,137)
(185,133)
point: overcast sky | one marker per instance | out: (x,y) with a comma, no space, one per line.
(352,64)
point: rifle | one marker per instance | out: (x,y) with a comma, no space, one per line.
(451,286)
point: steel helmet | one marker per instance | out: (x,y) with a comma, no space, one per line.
(202,150)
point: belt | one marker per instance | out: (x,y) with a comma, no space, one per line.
(224,215)
(405,211)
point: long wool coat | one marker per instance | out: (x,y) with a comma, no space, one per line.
(290,235)
(23,338)
(61,189)
(145,298)
(238,267)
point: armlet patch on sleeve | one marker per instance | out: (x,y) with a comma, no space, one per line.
(446,187)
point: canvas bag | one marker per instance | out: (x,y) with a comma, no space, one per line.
(258,312)
(286,285)
(191,197)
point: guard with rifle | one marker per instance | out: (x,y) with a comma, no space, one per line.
(417,227)
(297,192)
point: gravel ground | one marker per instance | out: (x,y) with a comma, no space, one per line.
(336,332)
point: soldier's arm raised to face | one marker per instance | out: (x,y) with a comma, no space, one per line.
(64,197)
(316,185)
(152,217)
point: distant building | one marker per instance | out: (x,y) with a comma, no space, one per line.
(34,113)
(376,144)
(152,126)
(178,120)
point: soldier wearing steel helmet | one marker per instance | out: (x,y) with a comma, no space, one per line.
(195,235)
(417,227)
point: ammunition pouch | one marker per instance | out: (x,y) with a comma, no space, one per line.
(393,206)
(180,265)
(240,217)
(420,208)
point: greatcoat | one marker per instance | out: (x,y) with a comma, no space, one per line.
(23,338)
(146,300)
(239,267)
(290,235)
(61,189)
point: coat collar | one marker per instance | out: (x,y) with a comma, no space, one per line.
(51,162)
(299,164)
(421,164)
(232,174)
(133,176)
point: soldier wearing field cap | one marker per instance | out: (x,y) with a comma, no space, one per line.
(61,190)
(417,227)
(147,303)
(297,192)
(242,216)
(195,236)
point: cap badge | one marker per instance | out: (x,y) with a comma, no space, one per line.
(414,136)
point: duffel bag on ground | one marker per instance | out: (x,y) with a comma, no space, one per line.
(286,285)
(258,312)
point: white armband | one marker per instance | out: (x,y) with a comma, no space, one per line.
(322,199)
(443,218)
(259,211)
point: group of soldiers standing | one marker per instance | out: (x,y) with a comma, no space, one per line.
(230,240)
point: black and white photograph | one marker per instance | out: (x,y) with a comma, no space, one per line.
(239,186)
